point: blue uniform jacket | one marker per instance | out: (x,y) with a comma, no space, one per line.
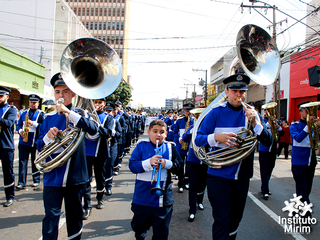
(8,116)
(74,171)
(273,146)
(301,149)
(139,164)
(186,137)
(99,147)
(37,117)
(226,118)
(179,129)
(170,135)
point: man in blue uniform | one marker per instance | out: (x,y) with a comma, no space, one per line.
(180,128)
(28,128)
(303,157)
(8,116)
(97,151)
(123,123)
(228,186)
(268,156)
(67,181)
(113,144)
(169,121)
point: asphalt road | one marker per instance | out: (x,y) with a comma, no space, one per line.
(260,221)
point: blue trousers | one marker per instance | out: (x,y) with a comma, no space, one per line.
(110,164)
(267,161)
(197,174)
(182,174)
(24,152)
(145,217)
(7,157)
(96,164)
(228,199)
(52,200)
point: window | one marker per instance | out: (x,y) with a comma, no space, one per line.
(100,13)
(95,26)
(87,25)
(83,11)
(118,12)
(88,11)
(109,26)
(122,26)
(97,12)
(120,54)
(109,12)
(105,12)
(121,41)
(75,10)
(122,12)
(91,26)
(116,40)
(113,26)
(100,26)
(118,26)
(104,26)
(104,39)
(114,12)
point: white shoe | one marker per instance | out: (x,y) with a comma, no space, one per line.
(200,206)
(191,217)
(35,185)
(180,190)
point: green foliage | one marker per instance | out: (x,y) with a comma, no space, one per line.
(210,99)
(123,92)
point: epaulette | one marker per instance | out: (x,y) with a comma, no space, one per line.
(173,143)
(223,104)
(143,140)
(295,122)
(51,113)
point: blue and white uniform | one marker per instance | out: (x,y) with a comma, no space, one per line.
(150,210)
(267,159)
(303,159)
(29,147)
(170,134)
(197,174)
(67,181)
(228,186)
(97,152)
(8,115)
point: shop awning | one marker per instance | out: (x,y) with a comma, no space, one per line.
(25,92)
(9,85)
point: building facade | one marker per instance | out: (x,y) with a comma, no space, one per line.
(107,20)
(40,30)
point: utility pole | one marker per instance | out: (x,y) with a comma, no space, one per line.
(206,85)
(276,84)
(194,91)
(186,93)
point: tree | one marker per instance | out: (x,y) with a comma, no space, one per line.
(123,92)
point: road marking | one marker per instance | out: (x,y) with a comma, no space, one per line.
(274,216)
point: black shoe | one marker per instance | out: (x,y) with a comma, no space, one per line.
(8,203)
(108,192)
(100,204)
(20,187)
(191,217)
(87,213)
(200,206)
(266,196)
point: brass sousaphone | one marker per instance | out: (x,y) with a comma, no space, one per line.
(92,70)
(258,58)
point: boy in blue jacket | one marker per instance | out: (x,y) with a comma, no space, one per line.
(150,210)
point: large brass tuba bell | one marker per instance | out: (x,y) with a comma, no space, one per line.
(92,70)
(270,108)
(258,58)
(313,129)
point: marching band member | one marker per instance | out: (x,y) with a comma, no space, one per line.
(228,186)
(122,140)
(113,143)
(67,181)
(150,210)
(197,174)
(180,127)
(129,135)
(169,121)
(28,128)
(8,116)
(303,157)
(268,156)
(97,152)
